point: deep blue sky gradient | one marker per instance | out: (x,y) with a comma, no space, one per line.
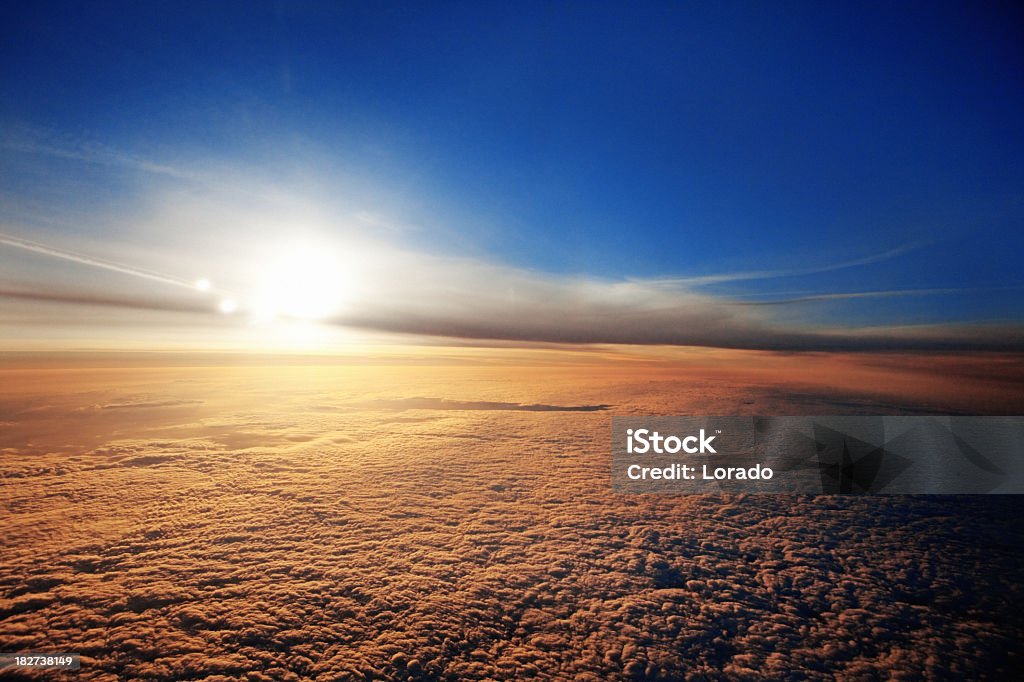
(612,140)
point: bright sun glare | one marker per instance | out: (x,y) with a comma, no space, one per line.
(301,283)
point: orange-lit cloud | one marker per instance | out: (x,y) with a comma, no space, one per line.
(314,522)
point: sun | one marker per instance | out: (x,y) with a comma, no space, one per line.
(300,283)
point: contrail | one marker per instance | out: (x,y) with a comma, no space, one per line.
(35,247)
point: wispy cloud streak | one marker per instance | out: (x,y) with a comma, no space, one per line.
(35,141)
(786,272)
(891,293)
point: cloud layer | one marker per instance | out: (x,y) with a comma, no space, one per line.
(271,524)
(394,290)
(476,300)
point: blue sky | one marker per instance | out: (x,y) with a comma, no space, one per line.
(599,140)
